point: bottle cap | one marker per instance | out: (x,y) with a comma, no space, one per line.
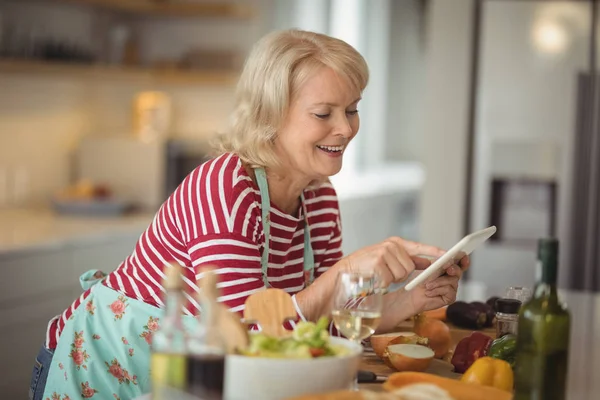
(547,247)
(548,258)
(508,306)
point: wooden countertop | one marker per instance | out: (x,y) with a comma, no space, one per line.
(25,230)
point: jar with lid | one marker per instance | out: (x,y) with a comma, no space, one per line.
(507,316)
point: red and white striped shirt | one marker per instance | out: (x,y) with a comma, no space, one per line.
(214,218)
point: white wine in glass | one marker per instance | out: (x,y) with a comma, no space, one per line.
(356,324)
(357,304)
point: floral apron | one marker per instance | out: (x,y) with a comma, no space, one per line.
(110,334)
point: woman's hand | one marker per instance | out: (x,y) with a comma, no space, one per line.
(392,260)
(430,295)
(440,291)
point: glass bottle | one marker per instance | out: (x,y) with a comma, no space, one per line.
(168,357)
(507,316)
(207,347)
(542,351)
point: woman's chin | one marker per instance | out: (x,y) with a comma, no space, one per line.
(330,171)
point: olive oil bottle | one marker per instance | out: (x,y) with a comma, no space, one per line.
(168,358)
(542,351)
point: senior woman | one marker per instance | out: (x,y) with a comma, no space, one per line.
(262,211)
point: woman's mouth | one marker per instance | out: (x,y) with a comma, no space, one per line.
(332,149)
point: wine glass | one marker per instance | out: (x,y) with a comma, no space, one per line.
(357,305)
(520,293)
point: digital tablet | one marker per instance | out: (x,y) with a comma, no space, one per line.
(452,256)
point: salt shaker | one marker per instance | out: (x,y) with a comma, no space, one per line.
(507,316)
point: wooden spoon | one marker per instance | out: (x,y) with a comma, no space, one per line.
(270,308)
(234,332)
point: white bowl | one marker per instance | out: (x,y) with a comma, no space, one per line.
(275,378)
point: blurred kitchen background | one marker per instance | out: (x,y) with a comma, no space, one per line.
(478,112)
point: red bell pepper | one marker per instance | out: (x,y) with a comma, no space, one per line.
(469,349)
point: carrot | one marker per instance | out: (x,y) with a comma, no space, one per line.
(337,395)
(456,389)
(438,313)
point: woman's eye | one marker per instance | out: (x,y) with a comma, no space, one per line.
(353,112)
(322,116)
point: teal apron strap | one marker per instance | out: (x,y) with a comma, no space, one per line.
(90,278)
(309,256)
(261,180)
(309,259)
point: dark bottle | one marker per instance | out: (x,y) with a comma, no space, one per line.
(542,351)
(207,348)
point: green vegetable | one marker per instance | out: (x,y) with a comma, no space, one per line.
(504,348)
(307,341)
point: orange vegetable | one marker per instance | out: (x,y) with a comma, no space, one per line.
(381,341)
(337,395)
(438,313)
(455,388)
(490,371)
(436,331)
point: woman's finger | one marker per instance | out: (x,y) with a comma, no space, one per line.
(398,261)
(395,268)
(416,248)
(454,270)
(441,282)
(384,277)
(445,292)
(465,263)
(421,262)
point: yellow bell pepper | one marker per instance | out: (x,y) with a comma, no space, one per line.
(490,371)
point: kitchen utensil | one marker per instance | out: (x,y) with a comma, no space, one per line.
(270,309)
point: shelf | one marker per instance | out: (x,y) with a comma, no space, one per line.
(130,74)
(173,8)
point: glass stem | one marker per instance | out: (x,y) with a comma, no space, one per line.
(354,386)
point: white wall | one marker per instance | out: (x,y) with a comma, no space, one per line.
(406,82)
(445,123)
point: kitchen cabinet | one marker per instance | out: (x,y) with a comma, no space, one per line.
(39,284)
(129,74)
(119,28)
(173,8)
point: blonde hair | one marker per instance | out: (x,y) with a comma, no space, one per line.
(276,68)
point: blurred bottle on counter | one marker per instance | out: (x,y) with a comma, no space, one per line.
(168,363)
(542,352)
(507,316)
(207,346)
(151,116)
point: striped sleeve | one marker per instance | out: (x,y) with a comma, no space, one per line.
(225,236)
(237,263)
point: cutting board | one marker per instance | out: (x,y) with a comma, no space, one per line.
(456,333)
(371,362)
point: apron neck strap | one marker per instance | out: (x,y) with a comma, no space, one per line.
(309,262)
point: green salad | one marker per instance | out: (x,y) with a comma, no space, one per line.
(308,340)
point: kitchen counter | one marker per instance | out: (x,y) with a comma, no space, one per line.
(26,230)
(388,179)
(392,189)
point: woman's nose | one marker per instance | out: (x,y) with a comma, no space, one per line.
(343,127)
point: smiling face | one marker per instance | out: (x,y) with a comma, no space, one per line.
(322,119)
